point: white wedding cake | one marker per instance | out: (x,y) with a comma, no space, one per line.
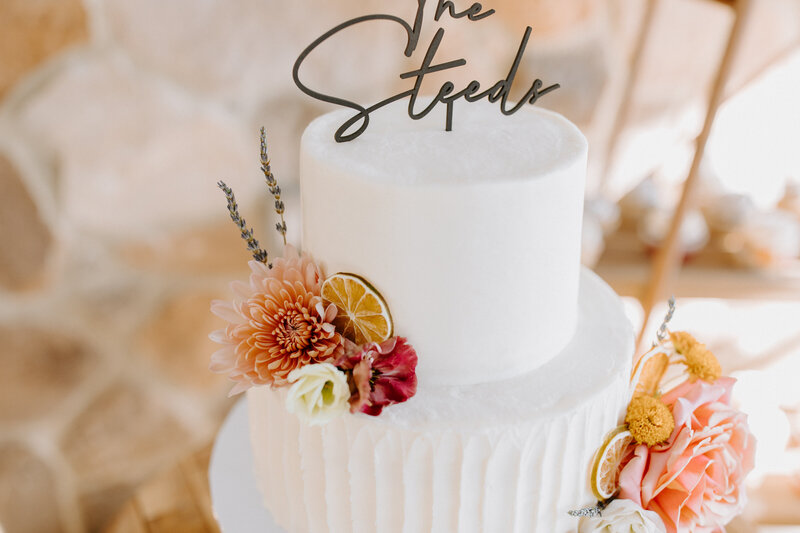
(472,237)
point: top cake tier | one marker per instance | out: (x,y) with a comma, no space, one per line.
(472,236)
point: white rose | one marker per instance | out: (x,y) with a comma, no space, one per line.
(623,516)
(319,393)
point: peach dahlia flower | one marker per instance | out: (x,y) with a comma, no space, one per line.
(277,323)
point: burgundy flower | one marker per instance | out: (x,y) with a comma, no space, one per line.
(382,374)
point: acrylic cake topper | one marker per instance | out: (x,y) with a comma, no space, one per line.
(447,94)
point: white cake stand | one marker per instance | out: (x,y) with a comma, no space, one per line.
(235,497)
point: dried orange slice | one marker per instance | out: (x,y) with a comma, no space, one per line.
(363,315)
(605,470)
(649,371)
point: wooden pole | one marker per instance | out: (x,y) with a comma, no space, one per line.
(624,105)
(667,260)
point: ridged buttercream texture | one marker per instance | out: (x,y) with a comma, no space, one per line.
(505,457)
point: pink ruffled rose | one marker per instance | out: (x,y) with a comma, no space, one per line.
(382,374)
(695,480)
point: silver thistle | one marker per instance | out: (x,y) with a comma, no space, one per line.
(593,511)
(586,511)
(259,254)
(272,183)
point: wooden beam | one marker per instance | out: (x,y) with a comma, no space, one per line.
(625,104)
(667,260)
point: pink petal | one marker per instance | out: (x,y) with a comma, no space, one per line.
(257,268)
(222,360)
(241,290)
(631,476)
(220,337)
(670,503)
(239,388)
(290,252)
(226,311)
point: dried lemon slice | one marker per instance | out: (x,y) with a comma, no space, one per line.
(363,315)
(605,471)
(649,371)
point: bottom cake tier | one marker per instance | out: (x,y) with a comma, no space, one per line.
(509,456)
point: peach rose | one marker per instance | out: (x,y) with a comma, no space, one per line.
(695,480)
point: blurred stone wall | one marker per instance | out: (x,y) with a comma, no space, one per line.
(116,120)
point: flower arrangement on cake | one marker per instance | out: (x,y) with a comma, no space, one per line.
(329,340)
(679,460)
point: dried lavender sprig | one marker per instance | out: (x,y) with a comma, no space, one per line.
(247,234)
(272,183)
(661,334)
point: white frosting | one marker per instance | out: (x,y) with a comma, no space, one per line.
(472,236)
(507,457)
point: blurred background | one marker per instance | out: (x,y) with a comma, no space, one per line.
(117,118)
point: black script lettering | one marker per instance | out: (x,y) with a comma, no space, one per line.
(473,13)
(533,93)
(427,68)
(447,93)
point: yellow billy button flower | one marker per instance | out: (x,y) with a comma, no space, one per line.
(682,341)
(649,420)
(700,362)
